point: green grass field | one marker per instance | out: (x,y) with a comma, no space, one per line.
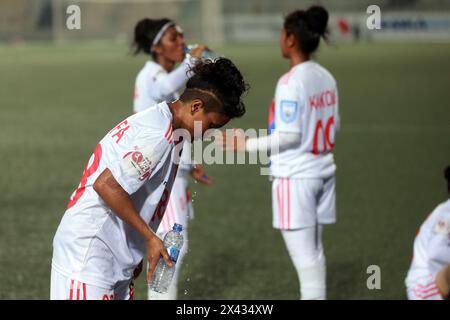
(56,103)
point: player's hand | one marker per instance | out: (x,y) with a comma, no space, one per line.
(198,173)
(138,270)
(156,249)
(198,50)
(231,140)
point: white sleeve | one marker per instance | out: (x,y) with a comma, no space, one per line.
(337,118)
(167,83)
(438,250)
(133,168)
(274,143)
(288,112)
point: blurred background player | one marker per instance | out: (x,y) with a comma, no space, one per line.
(303,119)
(159,81)
(429,275)
(104,235)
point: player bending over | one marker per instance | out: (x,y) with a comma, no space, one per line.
(303,119)
(103,236)
(159,80)
(429,275)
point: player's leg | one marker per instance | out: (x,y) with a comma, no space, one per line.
(295,214)
(306,251)
(443,282)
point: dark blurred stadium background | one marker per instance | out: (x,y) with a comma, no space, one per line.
(61,90)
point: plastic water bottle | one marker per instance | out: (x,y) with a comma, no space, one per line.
(163,274)
(206,54)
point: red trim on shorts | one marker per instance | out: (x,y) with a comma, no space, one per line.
(282,203)
(78,290)
(84,291)
(71,290)
(279,203)
(289,202)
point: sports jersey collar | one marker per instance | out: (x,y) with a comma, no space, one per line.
(303,64)
(166,109)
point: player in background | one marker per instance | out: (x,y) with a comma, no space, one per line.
(104,235)
(303,119)
(429,275)
(159,81)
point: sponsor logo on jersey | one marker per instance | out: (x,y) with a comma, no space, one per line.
(140,163)
(289,110)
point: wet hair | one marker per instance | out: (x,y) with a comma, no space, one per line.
(307,27)
(447,177)
(219,84)
(145,32)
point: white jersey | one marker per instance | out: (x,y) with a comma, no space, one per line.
(154,84)
(306,103)
(431,246)
(92,244)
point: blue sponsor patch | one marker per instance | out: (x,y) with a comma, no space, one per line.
(289,110)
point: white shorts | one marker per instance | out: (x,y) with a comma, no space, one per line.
(179,208)
(301,203)
(424,289)
(65,288)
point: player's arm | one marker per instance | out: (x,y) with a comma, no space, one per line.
(120,202)
(167,84)
(287,134)
(273,143)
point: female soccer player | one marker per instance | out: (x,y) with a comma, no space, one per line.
(429,275)
(159,81)
(303,119)
(104,235)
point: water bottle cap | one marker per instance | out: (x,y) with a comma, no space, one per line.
(177,227)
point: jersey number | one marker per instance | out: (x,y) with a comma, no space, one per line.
(327,144)
(88,171)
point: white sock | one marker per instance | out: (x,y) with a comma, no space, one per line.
(312,283)
(306,252)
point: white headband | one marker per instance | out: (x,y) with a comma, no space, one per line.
(161,32)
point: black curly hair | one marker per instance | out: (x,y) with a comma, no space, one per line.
(447,177)
(223,80)
(145,32)
(307,27)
